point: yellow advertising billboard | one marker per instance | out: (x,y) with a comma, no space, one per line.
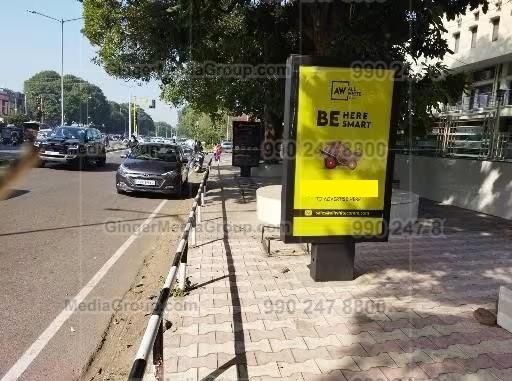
(337,182)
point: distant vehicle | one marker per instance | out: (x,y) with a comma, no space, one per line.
(80,146)
(155,168)
(31,128)
(42,135)
(227,146)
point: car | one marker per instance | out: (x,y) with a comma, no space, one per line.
(227,146)
(42,135)
(80,146)
(155,168)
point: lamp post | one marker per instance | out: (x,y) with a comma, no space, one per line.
(87,103)
(62,22)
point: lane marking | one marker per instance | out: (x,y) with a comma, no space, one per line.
(33,351)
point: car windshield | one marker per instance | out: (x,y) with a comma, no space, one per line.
(69,133)
(154,152)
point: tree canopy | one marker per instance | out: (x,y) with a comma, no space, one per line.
(81,98)
(179,41)
(200,126)
(82,101)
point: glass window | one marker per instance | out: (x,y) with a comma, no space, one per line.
(154,152)
(456,42)
(495,28)
(474,31)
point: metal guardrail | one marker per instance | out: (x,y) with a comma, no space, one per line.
(153,339)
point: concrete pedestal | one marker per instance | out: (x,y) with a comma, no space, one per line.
(333,261)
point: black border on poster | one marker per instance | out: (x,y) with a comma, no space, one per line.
(289,136)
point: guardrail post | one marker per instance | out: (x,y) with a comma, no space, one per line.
(193,231)
(198,212)
(158,353)
(182,270)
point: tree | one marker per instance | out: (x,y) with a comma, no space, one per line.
(175,40)
(16,119)
(43,89)
(84,100)
(118,118)
(164,129)
(80,98)
(200,126)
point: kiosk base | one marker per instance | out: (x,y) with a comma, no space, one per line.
(245,171)
(333,261)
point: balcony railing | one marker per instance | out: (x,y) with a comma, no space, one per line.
(479,102)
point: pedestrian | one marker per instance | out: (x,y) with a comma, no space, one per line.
(107,141)
(133,142)
(217,151)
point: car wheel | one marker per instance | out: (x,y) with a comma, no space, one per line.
(81,163)
(102,160)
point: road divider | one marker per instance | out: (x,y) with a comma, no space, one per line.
(153,338)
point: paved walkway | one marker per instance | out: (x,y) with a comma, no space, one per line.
(408,316)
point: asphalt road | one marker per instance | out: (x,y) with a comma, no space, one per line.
(54,238)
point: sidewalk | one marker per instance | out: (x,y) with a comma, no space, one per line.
(407,317)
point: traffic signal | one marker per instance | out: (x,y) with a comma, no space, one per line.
(153,104)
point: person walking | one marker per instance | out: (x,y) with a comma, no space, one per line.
(217,151)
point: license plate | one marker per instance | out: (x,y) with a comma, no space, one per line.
(51,153)
(145,182)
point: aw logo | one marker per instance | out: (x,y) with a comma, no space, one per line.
(342,91)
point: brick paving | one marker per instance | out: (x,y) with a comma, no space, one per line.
(408,315)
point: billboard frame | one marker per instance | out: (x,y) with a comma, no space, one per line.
(290,136)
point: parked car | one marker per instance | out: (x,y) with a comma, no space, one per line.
(80,146)
(153,167)
(227,146)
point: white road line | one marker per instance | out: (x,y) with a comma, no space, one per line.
(33,351)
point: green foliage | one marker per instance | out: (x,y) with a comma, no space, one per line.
(44,85)
(80,98)
(200,126)
(164,129)
(173,40)
(16,119)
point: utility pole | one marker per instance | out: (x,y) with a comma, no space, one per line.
(62,22)
(130,114)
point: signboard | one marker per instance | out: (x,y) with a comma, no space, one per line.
(338,167)
(246,144)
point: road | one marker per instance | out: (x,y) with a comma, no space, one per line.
(55,236)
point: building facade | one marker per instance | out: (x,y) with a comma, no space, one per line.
(11,102)
(479,123)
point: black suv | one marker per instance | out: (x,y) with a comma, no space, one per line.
(73,145)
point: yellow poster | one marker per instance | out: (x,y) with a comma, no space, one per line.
(342,137)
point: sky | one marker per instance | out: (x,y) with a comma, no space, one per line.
(32,43)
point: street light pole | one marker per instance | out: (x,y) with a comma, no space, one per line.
(62,22)
(61,72)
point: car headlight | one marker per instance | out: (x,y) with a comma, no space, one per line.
(170,174)
(122,170)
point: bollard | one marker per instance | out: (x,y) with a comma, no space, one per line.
(202,195)
(182,270)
